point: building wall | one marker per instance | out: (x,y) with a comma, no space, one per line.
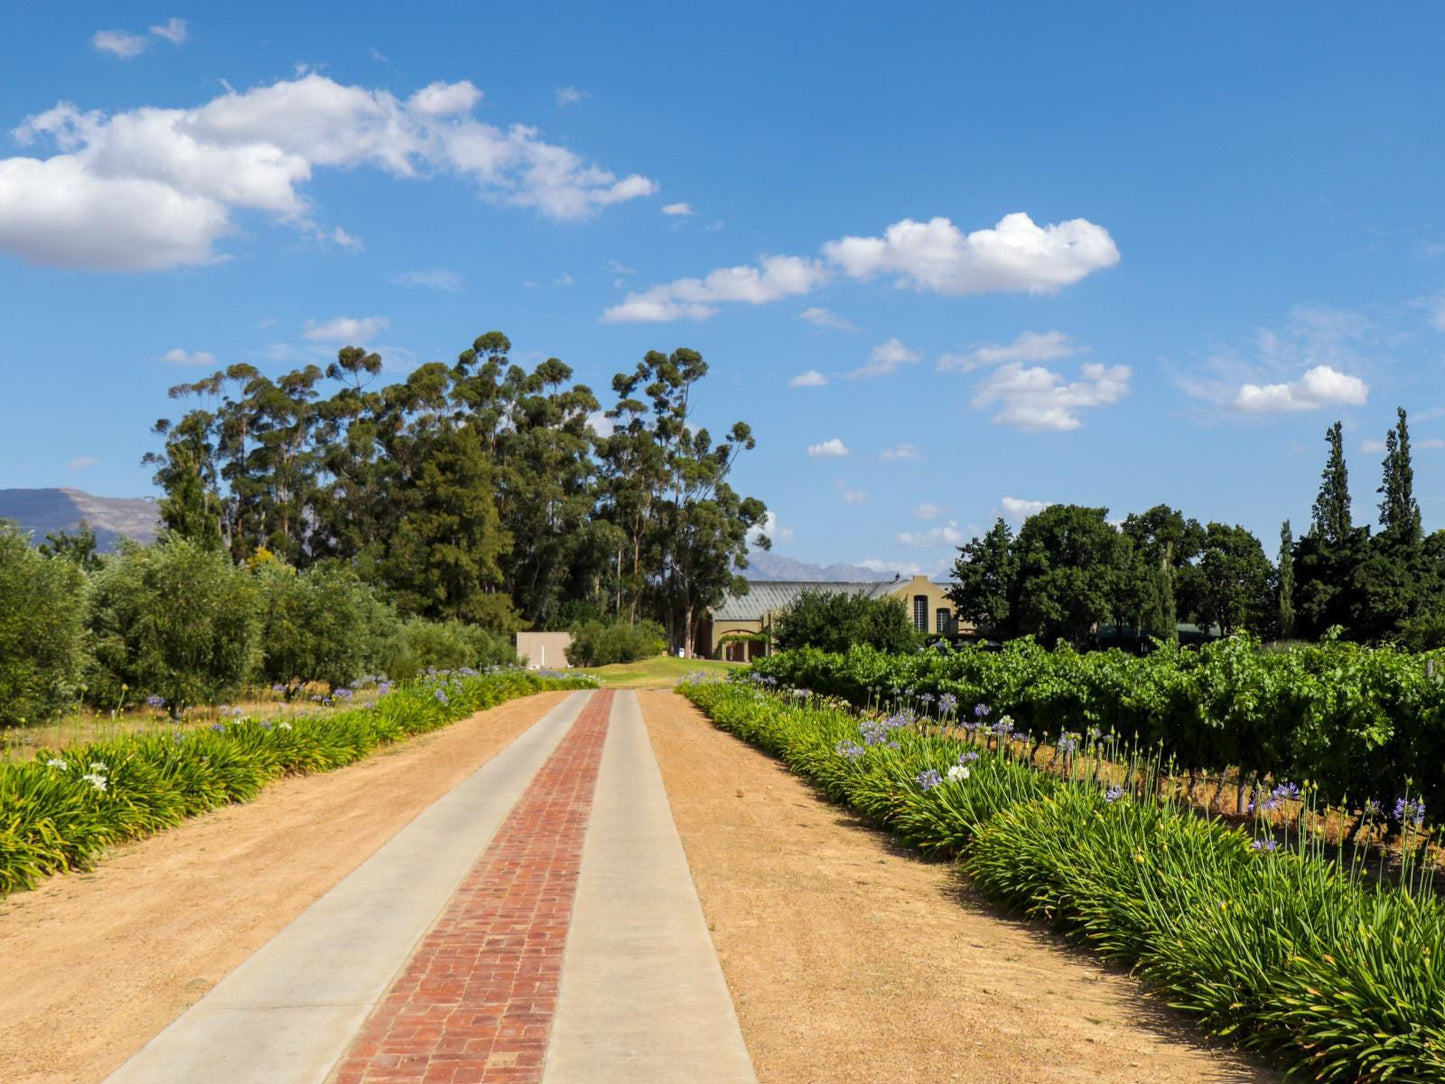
(543,650)
(934,598)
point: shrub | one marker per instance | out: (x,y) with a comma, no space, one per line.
(42,631)
(596,644)
(834,622)
(323,624)
(60,811)
(420,645)
(175,620)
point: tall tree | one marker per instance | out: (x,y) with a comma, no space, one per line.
(1072,563)
(1333,521)
(986,580)
(1285,578)
(1166,544)
(1235,578)
(1399,511)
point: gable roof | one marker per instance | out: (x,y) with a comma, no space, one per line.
(765,596)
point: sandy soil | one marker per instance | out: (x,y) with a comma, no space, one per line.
(93,965)
(852,961)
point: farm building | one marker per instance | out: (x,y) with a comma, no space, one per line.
(741,628)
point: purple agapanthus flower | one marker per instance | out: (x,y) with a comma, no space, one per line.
(1068,744)
(850,749)
(155,701)
(1410,811)
(1269,846)
(441,695)
(1286,791)
(966,758)
(928,779)
(947,702)
(1114,793)
(980,711)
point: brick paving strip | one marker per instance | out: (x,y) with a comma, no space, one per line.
(476,1002)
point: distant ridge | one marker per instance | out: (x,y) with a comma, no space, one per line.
(45,511)
(766,565)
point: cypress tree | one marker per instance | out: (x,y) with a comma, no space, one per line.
(1286,581)
(1332,521)
(1399,511)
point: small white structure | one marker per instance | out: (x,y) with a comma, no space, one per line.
(543,650)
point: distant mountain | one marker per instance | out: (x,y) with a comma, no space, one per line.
(45,511)
(766,565)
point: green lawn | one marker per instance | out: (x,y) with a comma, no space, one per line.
(665,670)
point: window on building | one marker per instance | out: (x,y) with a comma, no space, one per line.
(944,626)
(920,612)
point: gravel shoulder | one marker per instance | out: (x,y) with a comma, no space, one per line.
(95,964)
(850,960)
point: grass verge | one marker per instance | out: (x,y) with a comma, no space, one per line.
(1269,943)
(61,810)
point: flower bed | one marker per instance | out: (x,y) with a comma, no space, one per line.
(1267,939)
(61,810)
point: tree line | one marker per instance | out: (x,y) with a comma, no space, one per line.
(1069,571)
(479,492)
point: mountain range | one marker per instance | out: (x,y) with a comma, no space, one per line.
(46,511)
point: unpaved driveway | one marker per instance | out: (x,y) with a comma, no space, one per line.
(852,961)
(93,965)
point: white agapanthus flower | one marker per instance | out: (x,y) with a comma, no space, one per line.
(957,774)
(56,762)
(95,780)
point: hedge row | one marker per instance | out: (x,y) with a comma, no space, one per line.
(61,810)
(1358,722)
(1281,948)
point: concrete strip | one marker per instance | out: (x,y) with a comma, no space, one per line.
(643,1000)
(287,1014)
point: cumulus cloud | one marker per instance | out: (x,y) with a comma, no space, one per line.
(884,358)
(173,30)
(349,330)
(1018,509)
(898,568)
(946,535)
(810,379)
(189,357)
(1030,346)
(569,95)
(775,277)
(770,527)
(437,278)
(600,423)
(1014,255)
(121,43)
(80,462)
(1319,387)
(828,449)
(155,188)
(820,317)
(854,496)
(926,511)
(901,451)
(678,209)
(1430,444)
(1037,398)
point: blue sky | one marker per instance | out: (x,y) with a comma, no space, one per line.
(1111,254)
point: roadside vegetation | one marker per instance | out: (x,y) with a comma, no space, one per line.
(1269,937)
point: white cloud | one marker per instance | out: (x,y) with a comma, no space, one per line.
(437,278)
(173,30)
(80,462)
(810,379)
(1437,313)
(854,496)
(927,511)
(901,451)
(1030,346)
(678,209)
(569,95)
(1430,444)
(564,279)
(600,423)
(828,449)
(772,528)
(1014,255)
(1018,509)
(617,267)
(1041,399)
(884,358)
(121,43)
(1320,386)
(188,357)
(350,330)
(820,317)
(775,277)
(947,535)
(155,188)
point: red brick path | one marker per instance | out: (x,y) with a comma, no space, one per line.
(475,1003)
